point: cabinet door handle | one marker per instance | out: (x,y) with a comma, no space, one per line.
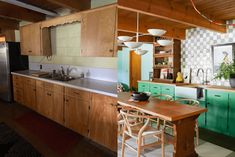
(49,94)
(110,50)
(217,96)
(76,93)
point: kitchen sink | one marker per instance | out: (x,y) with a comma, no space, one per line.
(57,77)
(190,91)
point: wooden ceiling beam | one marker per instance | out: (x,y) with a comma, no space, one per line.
(76,5)
(129,25)
(14,12)
(9,24)
(170,10)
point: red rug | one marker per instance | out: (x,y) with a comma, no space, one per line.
(56,137)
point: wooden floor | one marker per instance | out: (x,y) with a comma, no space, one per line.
(84,148)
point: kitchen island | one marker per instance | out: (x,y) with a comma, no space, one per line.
(183,118)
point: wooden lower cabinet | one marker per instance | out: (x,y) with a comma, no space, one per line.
(91,115)
(77,104)
(50,101)
(103,121)
(18,89)
(29,93)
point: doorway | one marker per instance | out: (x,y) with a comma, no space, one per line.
(135,70)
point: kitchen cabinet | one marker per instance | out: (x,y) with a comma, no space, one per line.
(98,32)
(29,93)
(50,100)
(168,90)
(231,119)
(18,89)
(155,89)
(77,105)
(217,115)
(143,86)
(34,40)
(202,117)
(103,121)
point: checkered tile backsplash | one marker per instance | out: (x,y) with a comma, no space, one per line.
(196,51)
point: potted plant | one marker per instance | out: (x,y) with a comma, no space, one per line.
(227,71)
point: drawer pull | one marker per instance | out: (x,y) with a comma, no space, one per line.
(49,94)
(76,93)
(167,89)
(217,96)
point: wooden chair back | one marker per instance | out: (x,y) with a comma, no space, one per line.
(188,102)
(164,97)
(130,114)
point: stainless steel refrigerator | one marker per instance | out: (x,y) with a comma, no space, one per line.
(10,60)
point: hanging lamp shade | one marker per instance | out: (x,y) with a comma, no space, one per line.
(140,51)
(165,42)
(124,38)
(133,44)
(156,32)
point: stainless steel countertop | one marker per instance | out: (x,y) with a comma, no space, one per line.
(91,85)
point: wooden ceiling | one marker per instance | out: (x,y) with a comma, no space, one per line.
(173,15)
(215,9)
(11,15)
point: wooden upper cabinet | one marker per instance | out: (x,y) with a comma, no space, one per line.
(98,32)
(34,40)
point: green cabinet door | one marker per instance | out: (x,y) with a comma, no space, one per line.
(154,89)
(143,87)
(202,117)
(217,105)
(231,119)
(168,90)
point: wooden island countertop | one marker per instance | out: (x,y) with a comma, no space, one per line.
(182,116)
(167,110)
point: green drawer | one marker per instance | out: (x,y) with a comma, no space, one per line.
(143,87)
(231,115)
(217,115)
(154,89)
(169,90)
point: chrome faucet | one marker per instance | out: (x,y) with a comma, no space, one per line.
(69,70)
(203,75)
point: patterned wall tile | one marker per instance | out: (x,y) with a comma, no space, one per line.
(196,51)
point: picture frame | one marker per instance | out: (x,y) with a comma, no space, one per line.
(219,52)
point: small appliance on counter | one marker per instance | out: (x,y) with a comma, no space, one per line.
(10,60)
(140,96)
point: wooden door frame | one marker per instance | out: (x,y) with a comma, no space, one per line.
(130,74)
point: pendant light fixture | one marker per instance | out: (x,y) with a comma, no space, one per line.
(135,44)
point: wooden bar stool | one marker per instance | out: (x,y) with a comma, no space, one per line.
(139,131)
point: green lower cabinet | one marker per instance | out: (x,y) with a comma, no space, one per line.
(202,117)
(168,90)
(217,114)
(143,87)
(154,89)
(231,119)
